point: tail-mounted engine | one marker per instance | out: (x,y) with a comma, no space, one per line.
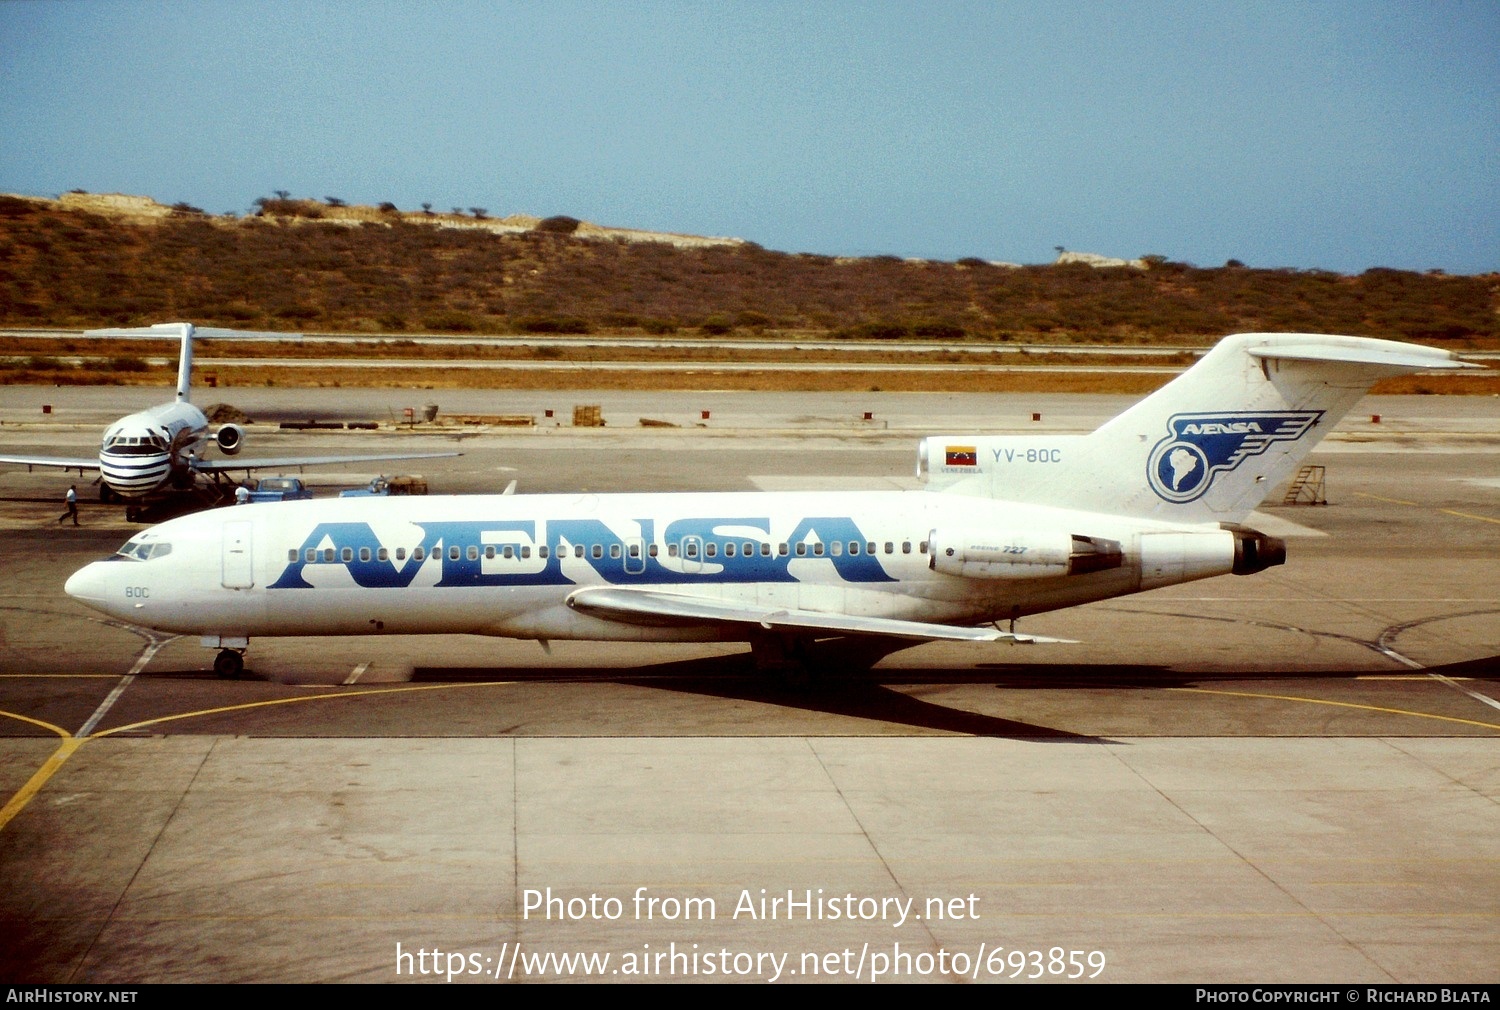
(1255,552)
(1019,555)
(230,438)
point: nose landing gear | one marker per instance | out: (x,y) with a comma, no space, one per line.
(230,663)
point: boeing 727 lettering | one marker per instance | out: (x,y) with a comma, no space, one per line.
(1005,527)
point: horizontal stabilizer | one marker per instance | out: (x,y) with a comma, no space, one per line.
(1401,358)
(644,606)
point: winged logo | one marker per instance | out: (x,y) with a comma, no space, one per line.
(1199,447)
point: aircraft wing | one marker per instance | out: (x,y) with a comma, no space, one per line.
(289,462)
(646,606)
(59,462)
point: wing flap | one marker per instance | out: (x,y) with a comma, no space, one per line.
(645,606)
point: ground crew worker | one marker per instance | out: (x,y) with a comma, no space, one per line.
(71,498)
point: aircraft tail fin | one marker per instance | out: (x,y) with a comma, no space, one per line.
(1207,447)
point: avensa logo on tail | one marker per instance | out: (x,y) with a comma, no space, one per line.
(1199,447)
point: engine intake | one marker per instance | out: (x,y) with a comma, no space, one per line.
(230,438)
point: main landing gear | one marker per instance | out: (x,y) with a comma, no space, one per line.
(230,663)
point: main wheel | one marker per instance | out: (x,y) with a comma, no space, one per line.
(229,664)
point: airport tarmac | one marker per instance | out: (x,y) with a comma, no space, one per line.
(1288,777)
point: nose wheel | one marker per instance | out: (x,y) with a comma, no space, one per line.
(229,664)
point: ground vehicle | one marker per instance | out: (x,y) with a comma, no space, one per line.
(280,489)
(384,486)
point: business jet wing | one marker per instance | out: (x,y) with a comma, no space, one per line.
(211,466)
(60,462)
(645,606)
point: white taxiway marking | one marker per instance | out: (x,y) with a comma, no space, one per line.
(357,672)
(147,654)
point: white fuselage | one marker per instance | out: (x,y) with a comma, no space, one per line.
(143,452)
(509,565)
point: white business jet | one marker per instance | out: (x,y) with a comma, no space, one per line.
(1006,527)
(158,453)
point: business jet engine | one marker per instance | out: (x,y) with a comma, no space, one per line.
(230,439)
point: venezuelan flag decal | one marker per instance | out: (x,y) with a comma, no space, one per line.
(961,455)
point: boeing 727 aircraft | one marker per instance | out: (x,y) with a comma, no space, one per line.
(1006,527)
(158,453)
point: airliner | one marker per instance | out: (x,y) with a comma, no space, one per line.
(1004,527)
(158,453)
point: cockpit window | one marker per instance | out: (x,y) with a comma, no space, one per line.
(144,550)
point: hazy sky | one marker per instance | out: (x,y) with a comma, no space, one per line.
(1321,134)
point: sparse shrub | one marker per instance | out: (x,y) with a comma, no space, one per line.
(561,224)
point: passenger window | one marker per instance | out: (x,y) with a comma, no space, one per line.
(906,547)
(489,552)
(614,550)
(383,555)
(419,554)
(453,553)
(400,553)
(690,548)
(922,547)
(346,555)
(818,548)
(635,550)
(870,547)
(651,550)
(781,548)
(710,549)
(364,554)
(472,553)
(328,555)
(291,555)
(671,550)
(729,550)
(802,550)
(765,550)
(836,548)
(890,548)
(597,550)
(310,555)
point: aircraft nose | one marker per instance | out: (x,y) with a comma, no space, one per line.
(87,586)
